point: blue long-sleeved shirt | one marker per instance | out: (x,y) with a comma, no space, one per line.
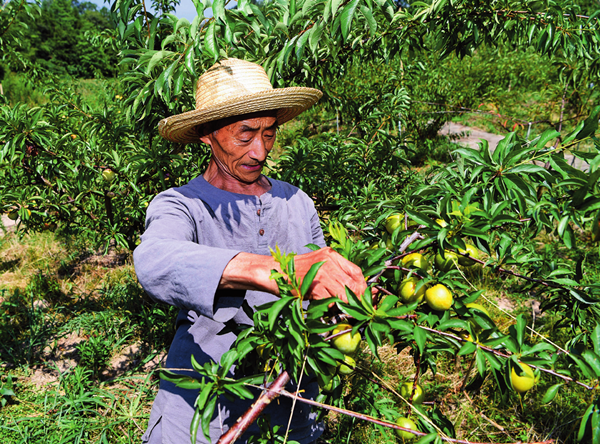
(192,232)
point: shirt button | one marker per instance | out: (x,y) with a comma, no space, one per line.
(258,212)
(261,231)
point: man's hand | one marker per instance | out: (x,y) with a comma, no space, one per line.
(333,276)
(249,271)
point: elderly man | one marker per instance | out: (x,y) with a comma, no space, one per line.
(206,248)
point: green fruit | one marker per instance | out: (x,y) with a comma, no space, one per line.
(407,424)
(439,297)
(108,175)
(472,251)
(393,222)
(331,385)
(415,260)
(522,383)
(406,391)
(346,370)
(13,214)
(346,343)
(407,291)
(447,262)
(389,244)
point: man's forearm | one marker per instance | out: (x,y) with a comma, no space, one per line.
(247,271)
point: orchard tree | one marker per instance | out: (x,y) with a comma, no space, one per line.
(415,239)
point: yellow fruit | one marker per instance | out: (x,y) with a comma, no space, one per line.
(108,175)
(406,391)
(439,297)
(472,251)
(346,343)
(447,262)
(393,222)
(73,136)
(415,260)
(344,369)
(407,424)
(522,383)
(407,291)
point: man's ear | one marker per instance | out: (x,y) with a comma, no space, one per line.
(207,139)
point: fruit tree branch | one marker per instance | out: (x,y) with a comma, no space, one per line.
(387,423)
(504,355)
(244,421)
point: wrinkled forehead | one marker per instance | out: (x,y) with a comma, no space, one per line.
(216,125)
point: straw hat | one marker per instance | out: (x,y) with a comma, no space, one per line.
(233,87)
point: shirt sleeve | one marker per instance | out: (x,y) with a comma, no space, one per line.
(173,268)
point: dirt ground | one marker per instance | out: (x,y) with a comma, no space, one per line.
(472,136)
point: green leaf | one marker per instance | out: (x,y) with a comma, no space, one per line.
(309,277)
(596,417)
(467,348)
(584,421)
(315,36)
(210,41)
(207,415)
(347,16)
(520,329)
(546,137)
(551,393)
(371,22)
(420,338)
(335,4)
(427,438)
(157,57)
(595,337)
(183,381)
(204,395)
(218,8)
(308,4)
(480,361)
(181,23)
(421,219)
(276,309)
(189,61)
(195,425)
(593,361)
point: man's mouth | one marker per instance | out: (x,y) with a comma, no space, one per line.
(253,167)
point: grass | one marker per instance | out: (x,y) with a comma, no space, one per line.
(80,343)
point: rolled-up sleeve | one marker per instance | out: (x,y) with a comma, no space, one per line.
(170,264)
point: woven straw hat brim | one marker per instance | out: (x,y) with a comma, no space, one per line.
(182,128)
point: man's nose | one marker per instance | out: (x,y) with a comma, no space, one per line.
(260,149)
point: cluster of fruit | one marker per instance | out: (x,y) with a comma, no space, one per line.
(348,344)
(407,390)
(438,296)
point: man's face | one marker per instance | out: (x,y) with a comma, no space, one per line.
(240,145)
